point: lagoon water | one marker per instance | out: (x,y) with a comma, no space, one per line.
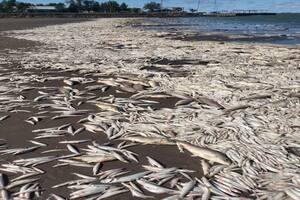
(285,25)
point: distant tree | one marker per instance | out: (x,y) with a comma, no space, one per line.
(124,7)
(134,10)
(89,5)
(1,7)
(110,7)
(96,6)
(8,5)
(74,5)
(152,6)
(21,6)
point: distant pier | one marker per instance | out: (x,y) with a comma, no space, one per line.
(238,13)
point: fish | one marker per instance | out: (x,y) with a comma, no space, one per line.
(21,182)
(5,195)
(95,158)
(57,197)
(112,192)
(96,168)
(70,82)
(205,153)
(136,192)
(129,178)
(151,187)
(208,101)
(4,117)
(108,107)
(2,181)
(74,141)
(38,143)
(154,163)
(88,190)
(73,149)
(234,108)
(187,188)
(257,96)
(149,140)
(296,94)
(205,167)
(184,102)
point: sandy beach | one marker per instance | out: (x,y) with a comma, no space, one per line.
(69,87)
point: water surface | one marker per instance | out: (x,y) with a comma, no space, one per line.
(277,29)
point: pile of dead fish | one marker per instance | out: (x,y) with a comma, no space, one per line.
(238,113)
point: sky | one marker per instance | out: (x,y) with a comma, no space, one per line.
(209,5)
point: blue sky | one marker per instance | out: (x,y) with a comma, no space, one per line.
(208,5)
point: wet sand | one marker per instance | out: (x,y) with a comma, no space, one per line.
(8,24)
(17,132)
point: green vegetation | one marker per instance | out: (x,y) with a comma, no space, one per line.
(152,6)
(82,6)
(10,6)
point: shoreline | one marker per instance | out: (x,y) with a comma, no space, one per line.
(215,78)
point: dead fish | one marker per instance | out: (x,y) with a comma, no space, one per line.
(71,82)
(88,190)
(73,149)
(74,141)
(151,187)
(129,178)
(127,88)
(135,191)
(57,197)
(97,168)
(206,153)
(5,195)
(71,130)
(205,167)
(148,140)
(36,119)
(294,95)
(108,107)
(30,122)
(208,101)
(4,117)
(154,163)
(93,128)
(21,182)
(2,181)
(257,96)
(79,130)
(187,188)
(40,98)
(112,192)
(153,84)
(184,102)
(38,143)
(95,159)
(238,107)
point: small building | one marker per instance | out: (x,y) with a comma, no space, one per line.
(39,9)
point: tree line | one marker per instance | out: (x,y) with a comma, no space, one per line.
(8,6)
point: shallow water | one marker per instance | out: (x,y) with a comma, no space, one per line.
(286,25)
